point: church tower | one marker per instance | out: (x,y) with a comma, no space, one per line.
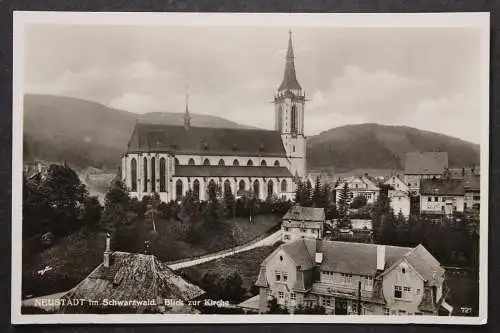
(289,115)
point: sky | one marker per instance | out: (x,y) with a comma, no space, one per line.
(428,78)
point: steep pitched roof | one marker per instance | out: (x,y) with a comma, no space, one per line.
(429,163)
(299,213)
(472,183)
(300,253)
(230,171)
(442,187)
(426,265)
(290,77)
(131,276)
(205,141)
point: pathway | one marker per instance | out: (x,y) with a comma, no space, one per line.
(268,241)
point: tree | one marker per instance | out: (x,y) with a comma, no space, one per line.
(233,288)
(229,203)
(152,209)
(358,202)
(343,207)
(299,192)
(307,195)
(116,206)
(388,228)
(317,195)
(93,212)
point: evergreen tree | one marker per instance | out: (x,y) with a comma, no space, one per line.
(343,207)
(307,195)
(229,203)
(298,192)
(388,228)
(317,195)
(380,209)
(358,202)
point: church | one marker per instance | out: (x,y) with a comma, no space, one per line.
(170,160)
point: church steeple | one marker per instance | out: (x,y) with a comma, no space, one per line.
(187,116)
(290,78)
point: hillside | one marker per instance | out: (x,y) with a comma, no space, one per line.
(86,133)
(382,147)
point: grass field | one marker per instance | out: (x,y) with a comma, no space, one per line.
(247,264)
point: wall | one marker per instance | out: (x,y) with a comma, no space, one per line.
(285,265)
(439,205)
(410,278)
(312,231)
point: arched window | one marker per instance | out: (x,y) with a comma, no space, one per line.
(176,161)
(283,186)
(256,188)
(212,190)
(191,161)
(270,188)
(263,163)
(178,189)
(280,118)
(294,119)
(227,187)
(236,162)
(221,162)
(276,163)
(241,185)
(249,163)
(133,168)
(196,188)
(145,169)
(162,175)
(206,162)
(153,174)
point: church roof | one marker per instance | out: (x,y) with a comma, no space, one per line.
(230,171)
(290,78)
(205,141)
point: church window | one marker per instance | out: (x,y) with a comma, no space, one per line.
(227,187)
(145,168)
(178,189)
(276,163)
(191,161)
(263,163)
(294,119)
(236,162)
(241,185)
(270,188)
(283,186)
(176,161)
(206,162)
(221,162)
(162,175)
(249,163)
(293,148)
(196,188)
(280,118)
(133,167)
(256,188)
(153,174)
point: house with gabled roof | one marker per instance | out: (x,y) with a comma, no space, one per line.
(359,186)
(425,165)
(303,222)
(442,196)
(353,278)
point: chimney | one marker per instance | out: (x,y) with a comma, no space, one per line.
(319,251)
(107,251)
(380,257)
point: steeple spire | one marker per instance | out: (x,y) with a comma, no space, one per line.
(187,116)
(290,78)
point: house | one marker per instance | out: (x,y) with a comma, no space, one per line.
(441,196)
(359,186)
(131,283)
(303,222)
(399,202)
(396,183)
(472,196)
(353,278)
(420,166)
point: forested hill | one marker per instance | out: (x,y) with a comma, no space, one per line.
(382,147)
(86,133)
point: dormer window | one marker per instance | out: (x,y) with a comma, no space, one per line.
(235,146)
(205,145)
(261,147)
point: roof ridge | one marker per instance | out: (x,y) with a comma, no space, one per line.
(210,127)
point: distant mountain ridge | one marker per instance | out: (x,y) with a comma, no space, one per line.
(383,147)
(86,133)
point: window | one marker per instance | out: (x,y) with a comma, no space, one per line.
(269,293)
(206,162)
(162,175)
(133,166)
(145,171)
(294,119)
(293,148)
(406,292)
(368,282)
(241,185)
(287,237)
(401,312)
(196,188)
(277,163)
(386,311)
(249,163)
(281,295)
(236,162)
(418,291)
(221,162)
(178,189)
(277,275)
(354,307)
(283,186)
(227,187)
(270,188)
(176,161)
(256,188)
(263,163)
(346,278)
(285,276)
(303,230)
(476,197)
(293,296)
(403,270)
(436,199)
(327,301)
(398,293)
(153,174)
(281,258)
(191,161)
(287,229)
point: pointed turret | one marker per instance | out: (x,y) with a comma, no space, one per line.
(290,78)
(187,116)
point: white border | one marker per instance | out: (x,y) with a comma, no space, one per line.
(478,20)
